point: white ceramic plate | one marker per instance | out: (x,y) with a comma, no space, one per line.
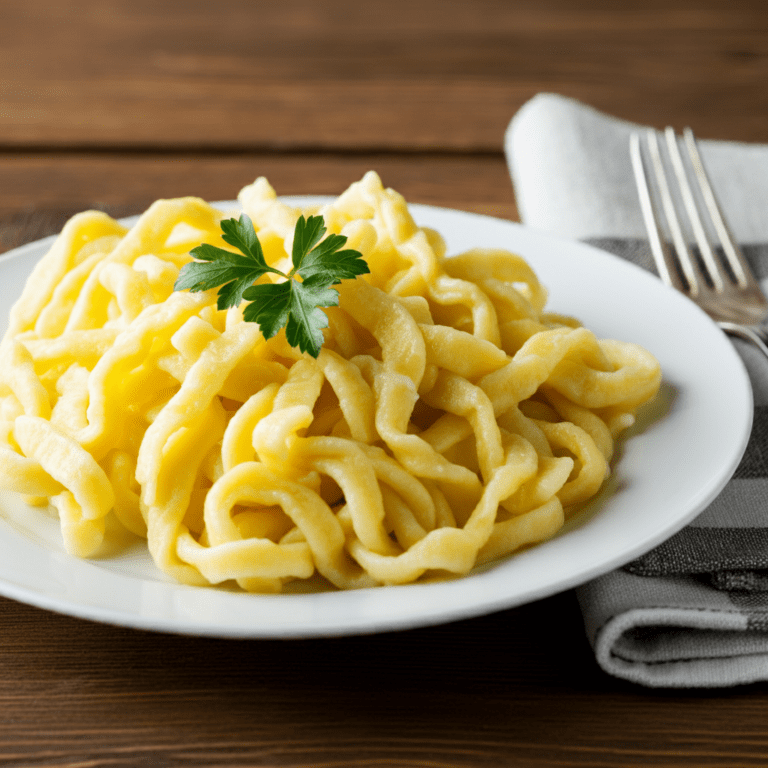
(675,461)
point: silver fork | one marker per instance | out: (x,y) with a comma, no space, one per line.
(722,284)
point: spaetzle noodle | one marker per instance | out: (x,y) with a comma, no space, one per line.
(448,420)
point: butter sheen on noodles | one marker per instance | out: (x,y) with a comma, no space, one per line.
(449,419)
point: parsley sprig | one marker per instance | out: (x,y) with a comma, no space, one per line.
(292,304)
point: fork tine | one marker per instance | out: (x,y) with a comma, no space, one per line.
(666,264)
(732,297)
(707,254)
(684,255)
(739,265)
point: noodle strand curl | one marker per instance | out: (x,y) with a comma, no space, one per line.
(449,420)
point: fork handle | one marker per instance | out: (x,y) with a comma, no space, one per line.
(755,334)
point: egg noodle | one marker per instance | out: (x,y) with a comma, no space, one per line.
(447,421)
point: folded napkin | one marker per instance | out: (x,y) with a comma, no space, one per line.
(694,611)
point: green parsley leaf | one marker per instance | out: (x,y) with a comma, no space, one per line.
(305,319)
(325,259)
(243,236)
(306,236)
(292,304)
(217,267)
(269,307)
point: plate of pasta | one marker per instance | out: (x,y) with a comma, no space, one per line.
(482,416)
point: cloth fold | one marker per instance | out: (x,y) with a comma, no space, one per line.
(693,612)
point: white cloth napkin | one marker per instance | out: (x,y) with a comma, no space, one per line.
(694,611)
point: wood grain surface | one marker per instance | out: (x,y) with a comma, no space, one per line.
(517,688)
(114,103)
(347,75)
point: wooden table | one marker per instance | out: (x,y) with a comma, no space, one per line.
(112,104)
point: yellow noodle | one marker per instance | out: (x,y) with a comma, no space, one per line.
(448,420)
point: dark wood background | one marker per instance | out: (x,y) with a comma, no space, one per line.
(113,103)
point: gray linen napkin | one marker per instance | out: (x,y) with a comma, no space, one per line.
(694,611)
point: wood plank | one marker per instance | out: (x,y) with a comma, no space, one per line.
(497,690)
(39,192)
(342,75)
